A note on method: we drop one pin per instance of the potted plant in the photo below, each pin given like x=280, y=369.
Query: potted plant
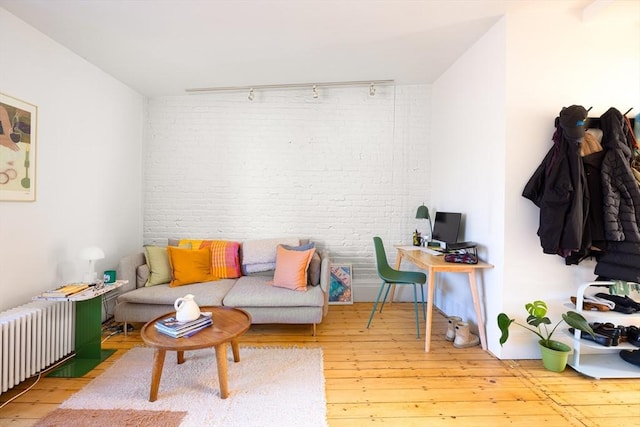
x=554, y=353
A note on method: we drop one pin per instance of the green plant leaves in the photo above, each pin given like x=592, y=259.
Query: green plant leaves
x=503, y=323
x=537, y=308
x=576, y=321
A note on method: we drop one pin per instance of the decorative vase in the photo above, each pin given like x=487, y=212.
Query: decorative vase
x=555, y=358
x=186, y=309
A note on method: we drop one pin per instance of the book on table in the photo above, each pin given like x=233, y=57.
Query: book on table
x=172, y=327
x=65, y=290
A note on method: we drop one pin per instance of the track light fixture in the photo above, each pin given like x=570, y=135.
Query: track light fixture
x=371, y=83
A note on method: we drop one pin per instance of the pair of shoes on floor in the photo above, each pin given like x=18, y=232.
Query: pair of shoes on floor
x=458, y=332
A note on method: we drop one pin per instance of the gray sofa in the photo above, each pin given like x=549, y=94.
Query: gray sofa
x=251, y=292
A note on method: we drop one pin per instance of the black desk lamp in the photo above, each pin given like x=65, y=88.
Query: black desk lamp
x=423, y=213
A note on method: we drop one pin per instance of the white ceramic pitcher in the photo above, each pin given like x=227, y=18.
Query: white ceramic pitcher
x=186, y=309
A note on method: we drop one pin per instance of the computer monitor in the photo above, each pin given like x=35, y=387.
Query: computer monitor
x=446, y=226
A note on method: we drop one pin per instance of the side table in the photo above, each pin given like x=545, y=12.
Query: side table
x=228, y=325
x=88, y=331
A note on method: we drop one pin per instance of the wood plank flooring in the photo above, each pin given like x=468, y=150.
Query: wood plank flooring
x=382, y=376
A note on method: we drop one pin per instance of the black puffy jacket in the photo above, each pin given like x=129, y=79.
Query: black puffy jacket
x=621, y=202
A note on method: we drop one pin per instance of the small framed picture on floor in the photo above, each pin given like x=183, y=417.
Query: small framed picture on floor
x=340, y=289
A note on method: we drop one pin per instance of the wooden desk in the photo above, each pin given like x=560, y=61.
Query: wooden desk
x=436, y=264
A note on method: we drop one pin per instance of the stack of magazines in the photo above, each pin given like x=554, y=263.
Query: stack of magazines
x=172, y=327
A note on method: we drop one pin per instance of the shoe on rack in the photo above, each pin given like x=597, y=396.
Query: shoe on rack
x=623, y=304
x=608, y=330
x=633, y=335
x=631, y=356
x=451, y=327
x=590, y=306
x=464, y=337
x=599, y=339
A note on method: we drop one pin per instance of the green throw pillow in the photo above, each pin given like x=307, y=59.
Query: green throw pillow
x=159, y=268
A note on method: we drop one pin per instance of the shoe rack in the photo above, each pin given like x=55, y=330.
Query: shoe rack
x=595, y=360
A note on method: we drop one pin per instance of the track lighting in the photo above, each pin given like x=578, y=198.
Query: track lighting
x=371, y=83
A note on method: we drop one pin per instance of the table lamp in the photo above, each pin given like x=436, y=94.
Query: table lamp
x=423, y=213
x=91, y=254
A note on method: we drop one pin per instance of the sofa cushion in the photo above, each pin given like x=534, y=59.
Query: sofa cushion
x=158, y=263
x=313, y=273
x=255, y=291
x=260, y=255
x=291, y=268
x=206, y=293
x=190, y=266
x=225, y=256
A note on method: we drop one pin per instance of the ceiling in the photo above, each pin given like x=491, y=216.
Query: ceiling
x=162, y=47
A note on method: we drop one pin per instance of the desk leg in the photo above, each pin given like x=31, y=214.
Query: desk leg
x=397, y=267
x=476, y=303
x=221, y=358
x=431, y=291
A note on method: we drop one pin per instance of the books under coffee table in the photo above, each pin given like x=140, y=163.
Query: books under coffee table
x=174, y=328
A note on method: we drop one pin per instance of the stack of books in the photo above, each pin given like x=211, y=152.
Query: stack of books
x=66, y=290
x=172, y=327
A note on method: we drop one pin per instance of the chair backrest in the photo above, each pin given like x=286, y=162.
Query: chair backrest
x=381, y=258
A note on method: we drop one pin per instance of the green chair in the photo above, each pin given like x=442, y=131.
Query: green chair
x=391, y=276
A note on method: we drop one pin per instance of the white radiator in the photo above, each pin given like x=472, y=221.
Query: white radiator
x=33, y=336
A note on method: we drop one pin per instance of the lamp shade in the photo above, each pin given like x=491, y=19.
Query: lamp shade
x=423, y=212
x=92, y=253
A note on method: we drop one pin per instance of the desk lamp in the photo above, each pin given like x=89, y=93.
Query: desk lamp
x=91, y=254
x=423, y=213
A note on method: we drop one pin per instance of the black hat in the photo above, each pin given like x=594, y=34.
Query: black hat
x=572, y=120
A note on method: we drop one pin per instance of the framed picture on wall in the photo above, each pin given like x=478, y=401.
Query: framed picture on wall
x=17, y=149
x=340, y=289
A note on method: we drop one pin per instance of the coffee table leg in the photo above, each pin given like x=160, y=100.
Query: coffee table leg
x=156, y=373
x=221, y=358
x=180, y=357
x=236, y=350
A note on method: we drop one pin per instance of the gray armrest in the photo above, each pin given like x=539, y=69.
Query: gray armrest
x=127, y=270
x=325, y=277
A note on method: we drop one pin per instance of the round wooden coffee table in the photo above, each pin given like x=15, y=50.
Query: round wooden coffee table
x=228, y=324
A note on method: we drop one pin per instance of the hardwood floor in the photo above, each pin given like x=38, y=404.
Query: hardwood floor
x=382, y=376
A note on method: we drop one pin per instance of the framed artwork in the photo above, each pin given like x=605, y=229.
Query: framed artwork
x=340, y=290
x=17, y=149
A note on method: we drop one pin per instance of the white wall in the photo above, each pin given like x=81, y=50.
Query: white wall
x=88, y=185
x=503, y=95
x=592, y=63
x=468, y=152
x=338, y=169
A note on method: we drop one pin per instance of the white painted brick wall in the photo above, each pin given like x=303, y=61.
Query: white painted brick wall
x=338, y=169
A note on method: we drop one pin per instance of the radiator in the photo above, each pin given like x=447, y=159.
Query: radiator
x=33, y=336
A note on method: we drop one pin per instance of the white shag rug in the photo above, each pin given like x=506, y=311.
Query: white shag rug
x=277, y=387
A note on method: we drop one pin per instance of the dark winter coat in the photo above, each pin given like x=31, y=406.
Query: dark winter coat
x=558, y=188
x=621, y=202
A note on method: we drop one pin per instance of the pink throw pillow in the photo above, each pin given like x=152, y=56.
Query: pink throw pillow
x=291, y=268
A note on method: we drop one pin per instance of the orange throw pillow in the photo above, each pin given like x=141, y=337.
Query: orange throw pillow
x=291, y=268
x=189, y=266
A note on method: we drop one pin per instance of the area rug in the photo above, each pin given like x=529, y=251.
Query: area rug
x=110, y=417
x=268, y=387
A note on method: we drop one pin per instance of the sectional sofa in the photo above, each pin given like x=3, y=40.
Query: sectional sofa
x=263, y=277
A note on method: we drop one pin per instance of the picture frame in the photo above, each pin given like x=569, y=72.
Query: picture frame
x=340, y=284
x=18, y=136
